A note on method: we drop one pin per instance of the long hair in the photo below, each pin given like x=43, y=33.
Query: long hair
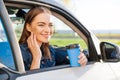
x=32, y=13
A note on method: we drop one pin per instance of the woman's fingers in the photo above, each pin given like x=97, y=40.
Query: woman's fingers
x=34, y=39
x=33, y=45
x=82, y=59
x=30, y=40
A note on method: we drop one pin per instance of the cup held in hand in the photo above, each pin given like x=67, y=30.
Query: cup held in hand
x=73, y=51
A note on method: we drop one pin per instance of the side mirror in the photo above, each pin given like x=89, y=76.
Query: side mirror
x=109, y=52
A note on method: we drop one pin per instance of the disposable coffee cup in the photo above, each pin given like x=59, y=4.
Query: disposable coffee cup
x=73, y=51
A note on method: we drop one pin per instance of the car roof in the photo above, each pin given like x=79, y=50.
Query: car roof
x=47, y=3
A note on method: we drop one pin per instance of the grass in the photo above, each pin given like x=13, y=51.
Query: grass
x=64, y=42
x=115, y=41
x=108, y=34
x=61, y=40
x=114, y=38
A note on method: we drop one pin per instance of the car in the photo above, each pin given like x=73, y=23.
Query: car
x=103, y=57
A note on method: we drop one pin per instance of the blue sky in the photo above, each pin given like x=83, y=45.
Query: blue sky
x=97, y=14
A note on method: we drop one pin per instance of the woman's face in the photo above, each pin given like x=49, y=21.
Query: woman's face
x=41, y=26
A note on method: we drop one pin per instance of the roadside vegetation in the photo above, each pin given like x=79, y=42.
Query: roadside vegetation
x=64, y=39
x=63, y=42
x=113, y=38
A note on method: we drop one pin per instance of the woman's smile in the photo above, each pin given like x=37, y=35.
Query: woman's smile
x=46, y=35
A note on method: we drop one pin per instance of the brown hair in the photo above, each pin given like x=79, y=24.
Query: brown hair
x=28, y=19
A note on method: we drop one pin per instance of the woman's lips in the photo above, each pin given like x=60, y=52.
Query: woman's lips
x=46, y=35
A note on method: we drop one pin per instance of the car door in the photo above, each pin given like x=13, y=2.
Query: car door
x=95, y=69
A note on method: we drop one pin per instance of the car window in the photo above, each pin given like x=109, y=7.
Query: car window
x=63, y=35
x=6, y=56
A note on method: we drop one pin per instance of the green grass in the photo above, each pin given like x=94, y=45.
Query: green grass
x=116, y=41
x=109, y=34
x=63, y=42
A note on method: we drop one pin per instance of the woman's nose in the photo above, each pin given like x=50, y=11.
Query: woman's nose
x=47, y=29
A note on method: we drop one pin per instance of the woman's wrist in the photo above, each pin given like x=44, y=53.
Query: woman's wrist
x=35, y=63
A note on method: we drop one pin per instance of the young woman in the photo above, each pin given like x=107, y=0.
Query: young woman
x=34, y=41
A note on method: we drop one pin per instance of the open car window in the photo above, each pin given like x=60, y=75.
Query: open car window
x=63, y=33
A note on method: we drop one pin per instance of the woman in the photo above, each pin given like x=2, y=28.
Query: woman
x=34, y=41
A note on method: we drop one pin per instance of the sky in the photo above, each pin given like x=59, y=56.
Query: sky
x=96, y=14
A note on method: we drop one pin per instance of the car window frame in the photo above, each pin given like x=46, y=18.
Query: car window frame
x=11, y=38
x=58, y=11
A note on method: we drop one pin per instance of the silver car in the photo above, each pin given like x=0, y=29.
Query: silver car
x=103, y=57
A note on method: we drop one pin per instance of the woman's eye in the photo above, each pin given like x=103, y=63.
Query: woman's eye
x=41, y=25
x=51, y=25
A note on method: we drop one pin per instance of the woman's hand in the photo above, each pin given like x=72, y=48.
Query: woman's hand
x=35, y=51
x=82, y=59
